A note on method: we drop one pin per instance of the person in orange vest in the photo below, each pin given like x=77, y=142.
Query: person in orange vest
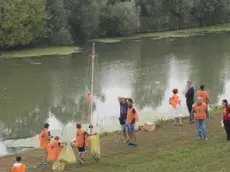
x=44, y=139
x=81, y=142
x=174, y=101
x=132, y=118
x=54, y=149
x=199, y=111
x=203, y=93
x=18, y=166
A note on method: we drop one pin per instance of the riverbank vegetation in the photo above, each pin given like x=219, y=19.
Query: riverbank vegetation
x=59, y=22
x=45, y=51
x=166, y=149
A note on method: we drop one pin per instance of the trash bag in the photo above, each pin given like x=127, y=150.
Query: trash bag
x=66, y=156
x=94, y=147
x=58, y=166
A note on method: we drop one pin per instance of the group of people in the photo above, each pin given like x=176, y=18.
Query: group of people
x=198, y=112
x=128, y=118
x=52, y=148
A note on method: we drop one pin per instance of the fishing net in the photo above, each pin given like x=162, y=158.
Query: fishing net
x=66, y=156
x=94, y=147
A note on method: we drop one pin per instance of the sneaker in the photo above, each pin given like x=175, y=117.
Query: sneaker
x=45, y=164
x=174, y=124
x=181, y=124
x=191, y=122
x=206, y=138
x=81, y=161
x=132, y=145
x=200, y=138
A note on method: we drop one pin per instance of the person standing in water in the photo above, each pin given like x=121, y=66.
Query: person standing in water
x=175, y=103
x=190, y=99
x=132, y=118
x=199, y=111
x=226, y=118
x=203, y=93
x=123, y=116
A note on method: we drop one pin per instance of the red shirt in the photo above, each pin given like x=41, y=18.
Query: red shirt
x=226, y=113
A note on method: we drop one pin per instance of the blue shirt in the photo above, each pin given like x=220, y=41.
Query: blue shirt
x=123, y=110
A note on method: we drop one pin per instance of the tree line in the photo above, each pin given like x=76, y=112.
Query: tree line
x=64, y=22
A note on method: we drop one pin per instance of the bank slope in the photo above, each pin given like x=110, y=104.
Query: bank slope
x=167, y=149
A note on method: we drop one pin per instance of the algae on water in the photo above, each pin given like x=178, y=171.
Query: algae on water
x=45, y=51
x=167, y=34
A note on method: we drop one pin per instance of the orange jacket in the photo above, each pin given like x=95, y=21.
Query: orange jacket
x=130, y=115
x=44, y=139
x=200, y=111
x=53, y=149
x=18, y=167
x=81, y=138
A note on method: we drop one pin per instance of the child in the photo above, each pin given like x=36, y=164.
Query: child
x=44, y=138
x=81, y=142
x=132, y=118
x=18, y=166
x=54, y=149
x=175, y=103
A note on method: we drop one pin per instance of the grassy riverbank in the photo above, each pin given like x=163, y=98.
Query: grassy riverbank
x=169, y=34
x=41, y=51
x=167, y=149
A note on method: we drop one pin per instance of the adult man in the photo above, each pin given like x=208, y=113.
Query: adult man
x=203, y=93
x=190, y=99
x=123, y=115
x=199, y=111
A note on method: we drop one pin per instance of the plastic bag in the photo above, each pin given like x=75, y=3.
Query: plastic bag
x=94, y=147
x=58, y=166
x=66, y=156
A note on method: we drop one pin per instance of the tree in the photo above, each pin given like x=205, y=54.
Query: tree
x=127, y=17
x=57, y=23
x=22, y=22
x=84, y=17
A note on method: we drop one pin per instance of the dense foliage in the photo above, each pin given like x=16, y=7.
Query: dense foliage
x=62, y=22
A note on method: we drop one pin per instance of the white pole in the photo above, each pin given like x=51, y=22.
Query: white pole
x=91, y=91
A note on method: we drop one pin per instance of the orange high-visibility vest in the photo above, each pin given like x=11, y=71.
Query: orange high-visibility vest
x=81, y=138
x=200, y=111
x=130, y=115
x=18, y=167
x=53, y=149
x=44, y=139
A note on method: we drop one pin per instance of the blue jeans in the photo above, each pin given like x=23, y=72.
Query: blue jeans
x=131, y=127
x=201, y=125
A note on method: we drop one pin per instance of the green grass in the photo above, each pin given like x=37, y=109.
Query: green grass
x=46, y=51
x=167, y=34
x=167, y=149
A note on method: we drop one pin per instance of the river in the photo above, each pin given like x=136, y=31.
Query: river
x=39, y=89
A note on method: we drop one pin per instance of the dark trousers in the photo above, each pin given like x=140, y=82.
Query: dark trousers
x=227, y=128
x=189, y=106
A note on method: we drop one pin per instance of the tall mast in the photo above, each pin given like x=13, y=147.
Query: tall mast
x=91, y=91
